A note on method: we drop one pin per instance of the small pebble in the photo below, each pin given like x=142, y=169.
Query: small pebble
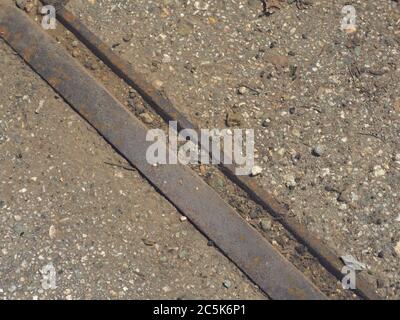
x=256, y=170
x=266, y=224
x=379, y=171
x=166, y=289
x=242, y=90
x=146, y=118
x=127, y=37
x=52, y=232
x=397, y=248
x=227, y=284
x=318, y=151
x=21, y=3
x=75, y=53
x=266, y=123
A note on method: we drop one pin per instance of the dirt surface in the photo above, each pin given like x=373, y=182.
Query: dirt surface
x=69, y=202
x=324, y=104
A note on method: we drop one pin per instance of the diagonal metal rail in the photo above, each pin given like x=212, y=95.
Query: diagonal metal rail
x=327, y=257
x=256, y=257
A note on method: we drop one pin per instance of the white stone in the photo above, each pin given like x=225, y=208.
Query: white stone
x=52, y=232
x=256, y=170
x=379, y=171
x=397, y=248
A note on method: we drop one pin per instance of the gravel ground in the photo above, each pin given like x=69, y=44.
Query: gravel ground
x=71, y=206
x=324, y=104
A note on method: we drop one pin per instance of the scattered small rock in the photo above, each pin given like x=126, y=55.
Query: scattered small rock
x=227, y=284
x=146, y=118
x=379, y=171
x=290, y=181
x=382, y=254
x=21, y=3
x=348, y=196
x=242, y=90
x=166, y=58
x=266, y=123
x=396, y=105
x=266, y=224
x=148, y=242
x=166, y=289
x=397, y=249
x=233, y=119
x=75, y=53
x=158, y=84
x=128, y=37
x=52, y=232
x=256, y=170
x=318, y=151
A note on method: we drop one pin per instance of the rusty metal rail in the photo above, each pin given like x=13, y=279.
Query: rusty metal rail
x=327, y=257
x=277, y=277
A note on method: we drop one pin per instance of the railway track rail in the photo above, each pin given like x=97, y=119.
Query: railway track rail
x=276, y=276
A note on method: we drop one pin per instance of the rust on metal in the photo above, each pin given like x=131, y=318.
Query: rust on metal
x=164, y=108
x=277, y=277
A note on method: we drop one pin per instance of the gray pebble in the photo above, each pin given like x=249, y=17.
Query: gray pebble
x=21, y=3
x=146, y=118
x=127, y=37
x=266, y=224
x=318, y=151
x=265, y=123
x=227, y=284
